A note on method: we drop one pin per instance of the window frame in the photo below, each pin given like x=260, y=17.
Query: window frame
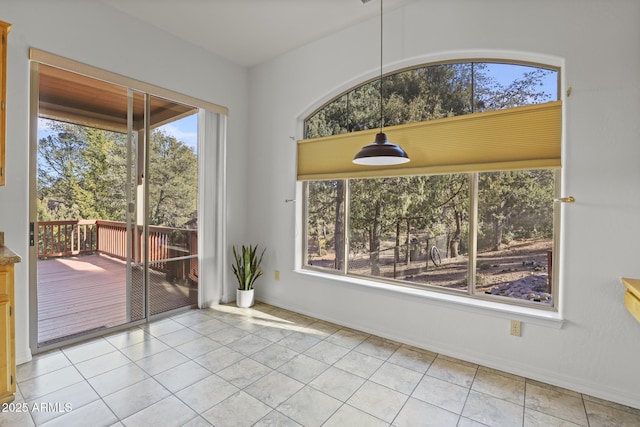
x=470, y=291
x=468, y=296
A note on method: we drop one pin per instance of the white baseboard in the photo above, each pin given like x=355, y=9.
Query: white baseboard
x=23, y=356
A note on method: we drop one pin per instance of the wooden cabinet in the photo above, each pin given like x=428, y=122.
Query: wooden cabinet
x=4, y=32
x=7, y=335
x=632, y=296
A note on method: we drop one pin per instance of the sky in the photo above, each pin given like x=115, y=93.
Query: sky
x=185, y=130
x=506, y=73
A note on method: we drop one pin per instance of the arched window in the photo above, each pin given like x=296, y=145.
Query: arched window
x=472, y=213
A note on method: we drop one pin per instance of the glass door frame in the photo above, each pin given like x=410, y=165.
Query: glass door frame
x=211, y=207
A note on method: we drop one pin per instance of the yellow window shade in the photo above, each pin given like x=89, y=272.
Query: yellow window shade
x=517, y=138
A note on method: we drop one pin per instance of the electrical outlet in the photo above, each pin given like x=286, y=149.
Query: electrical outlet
x=515, y=328
x=276, y=275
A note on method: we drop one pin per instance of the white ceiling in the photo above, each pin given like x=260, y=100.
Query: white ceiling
x=249, y=32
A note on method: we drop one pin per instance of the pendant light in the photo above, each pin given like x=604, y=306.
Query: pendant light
x=380, y=152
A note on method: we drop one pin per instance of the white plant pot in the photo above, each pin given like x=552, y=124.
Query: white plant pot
x=244, y=298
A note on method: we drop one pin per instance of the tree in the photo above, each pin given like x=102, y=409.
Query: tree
x=330, y=120
x=517, y=201
x=491, y=95
x=447, y=207
x=105, y=174
x=173, y=181
x=439, y=204
x=427, y=93
x=82, y=174
x=325, y=219
x=375, y=207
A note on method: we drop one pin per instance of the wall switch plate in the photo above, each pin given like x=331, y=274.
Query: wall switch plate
x=515, y=328
x=276, y=275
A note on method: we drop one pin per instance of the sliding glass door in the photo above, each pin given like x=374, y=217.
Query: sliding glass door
x=116, y=229
x=172, y=206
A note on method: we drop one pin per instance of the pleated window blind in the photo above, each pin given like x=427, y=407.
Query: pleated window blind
x=517, y=138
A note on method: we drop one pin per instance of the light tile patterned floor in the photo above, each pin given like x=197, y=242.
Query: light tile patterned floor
x=267, y=366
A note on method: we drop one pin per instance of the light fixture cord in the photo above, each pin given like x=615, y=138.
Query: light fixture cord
x=381, y=41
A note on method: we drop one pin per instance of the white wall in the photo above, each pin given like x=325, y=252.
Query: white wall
x=94, y=34
x=597, y=42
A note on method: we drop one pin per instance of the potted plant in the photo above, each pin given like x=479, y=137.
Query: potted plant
x=247, y=269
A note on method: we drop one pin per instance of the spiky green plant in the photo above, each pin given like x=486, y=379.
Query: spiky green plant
x=247, y=266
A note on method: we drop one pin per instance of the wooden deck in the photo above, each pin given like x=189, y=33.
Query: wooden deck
x=89, y=293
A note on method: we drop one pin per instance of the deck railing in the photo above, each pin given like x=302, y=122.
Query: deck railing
x=64, y=238
x=77, y=237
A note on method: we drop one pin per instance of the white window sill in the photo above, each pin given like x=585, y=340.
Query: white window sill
x=542, y=317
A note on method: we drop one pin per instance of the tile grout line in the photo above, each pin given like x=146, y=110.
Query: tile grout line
x=305, y=328
x=584, y=406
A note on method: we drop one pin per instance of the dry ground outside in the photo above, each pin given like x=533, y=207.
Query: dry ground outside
x=521, y=263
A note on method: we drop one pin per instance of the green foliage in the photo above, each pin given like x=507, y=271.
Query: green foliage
x=173, y=181
x=330, y=120
x=246, y=266
x=429, y=205
x=426, y=93
x=407, y=97
x=82, y=174
x=512, y=205
x=515, y=205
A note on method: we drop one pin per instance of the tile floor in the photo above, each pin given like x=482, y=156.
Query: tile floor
x=266, y=366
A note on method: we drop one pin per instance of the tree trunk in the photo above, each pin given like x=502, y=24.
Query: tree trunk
x=339, y=223
x=396, y=252
x=320, y=239
x=454, y=244
x=407, y=256
x=498, y=226
x=374, y=241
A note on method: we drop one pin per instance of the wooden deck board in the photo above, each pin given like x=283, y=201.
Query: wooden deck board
x=89, y=292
